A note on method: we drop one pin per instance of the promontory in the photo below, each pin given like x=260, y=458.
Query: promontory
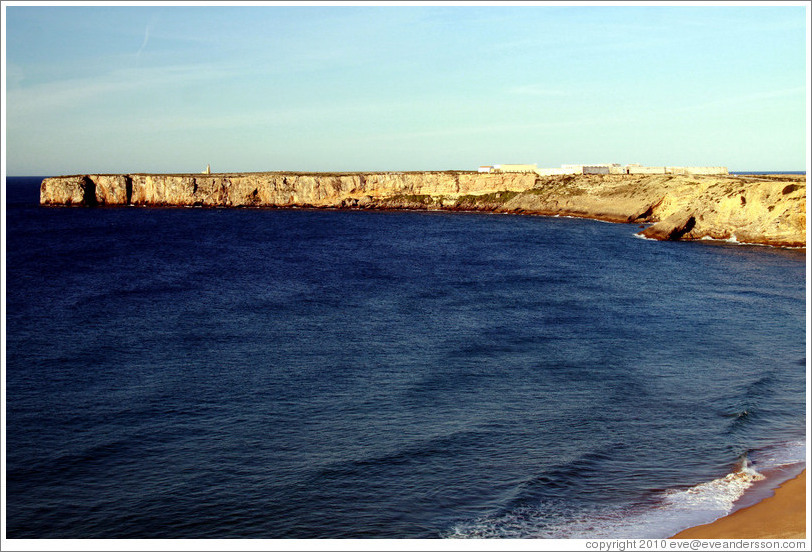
x=757, y=209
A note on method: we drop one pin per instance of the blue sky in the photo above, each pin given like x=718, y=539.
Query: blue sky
x=157, y=88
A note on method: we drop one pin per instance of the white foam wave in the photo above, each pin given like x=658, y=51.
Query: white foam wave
x=642, y=237
x=731, y=239
x=715, y=498
x=670, y=512
x=786, y=454
x=734, y=240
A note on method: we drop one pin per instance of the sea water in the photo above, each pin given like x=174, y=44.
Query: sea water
x=217, y=373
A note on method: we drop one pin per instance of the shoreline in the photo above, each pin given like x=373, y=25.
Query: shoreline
x=410, y=209
x=546, y=214
x=668, y=207
x=780, y=515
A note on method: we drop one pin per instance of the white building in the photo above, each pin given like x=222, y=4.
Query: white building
x=631, y=168
x=600, y=168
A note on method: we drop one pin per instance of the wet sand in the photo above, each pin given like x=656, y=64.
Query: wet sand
x=781, y=516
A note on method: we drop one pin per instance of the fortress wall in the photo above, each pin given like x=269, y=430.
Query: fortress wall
x=696, y=170
x=514, y=168
x=556, y=172
x=646, y=170
x=705, y=170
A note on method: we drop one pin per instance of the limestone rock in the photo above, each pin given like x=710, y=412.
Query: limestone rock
x=111, y=189
x=672, y=228
x=766, y=209
x=65, y=190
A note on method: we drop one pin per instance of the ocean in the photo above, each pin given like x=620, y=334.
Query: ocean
x=298, y=374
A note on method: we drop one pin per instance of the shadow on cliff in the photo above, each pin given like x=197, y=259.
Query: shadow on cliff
x=89, y=192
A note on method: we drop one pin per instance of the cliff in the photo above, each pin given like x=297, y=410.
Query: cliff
x=767, y=210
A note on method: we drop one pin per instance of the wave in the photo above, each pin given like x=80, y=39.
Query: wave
x=666, y=514
x=745, y=407
x=734, y=241
x=778, y=456
x=740, y=420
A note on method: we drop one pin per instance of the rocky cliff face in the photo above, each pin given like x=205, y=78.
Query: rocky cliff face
x=765, y=210
x=269, y=189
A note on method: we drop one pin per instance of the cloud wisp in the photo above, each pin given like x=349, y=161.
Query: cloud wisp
x=144, y=43
x=72, y=94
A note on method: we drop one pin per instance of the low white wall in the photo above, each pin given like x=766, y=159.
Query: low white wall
x=603, y=169
x=514, y=168
x=555, y=172
x=706, y=170
x=646, y=170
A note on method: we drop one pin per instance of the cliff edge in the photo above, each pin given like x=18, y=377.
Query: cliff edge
x=767, y=209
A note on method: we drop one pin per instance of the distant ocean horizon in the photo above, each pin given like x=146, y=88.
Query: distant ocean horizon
x=767, y=172
x=236, y=373
x=181, y=172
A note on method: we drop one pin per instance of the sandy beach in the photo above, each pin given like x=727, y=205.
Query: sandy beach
x=781, y=516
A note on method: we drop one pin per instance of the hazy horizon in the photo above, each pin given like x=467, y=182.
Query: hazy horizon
x=162, y=89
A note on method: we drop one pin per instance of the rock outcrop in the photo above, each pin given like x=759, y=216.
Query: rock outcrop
x=758, y=209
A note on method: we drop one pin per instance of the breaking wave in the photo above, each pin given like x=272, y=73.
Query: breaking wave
x=662, y=515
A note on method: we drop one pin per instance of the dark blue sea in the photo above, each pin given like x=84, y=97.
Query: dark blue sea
x=765, y=172
x=216, y=373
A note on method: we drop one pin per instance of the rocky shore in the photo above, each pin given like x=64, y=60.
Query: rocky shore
x=766, y=209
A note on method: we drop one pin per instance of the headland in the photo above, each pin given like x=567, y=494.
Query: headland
x=755, y=209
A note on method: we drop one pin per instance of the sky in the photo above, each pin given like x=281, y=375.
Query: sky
x=162, y=88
